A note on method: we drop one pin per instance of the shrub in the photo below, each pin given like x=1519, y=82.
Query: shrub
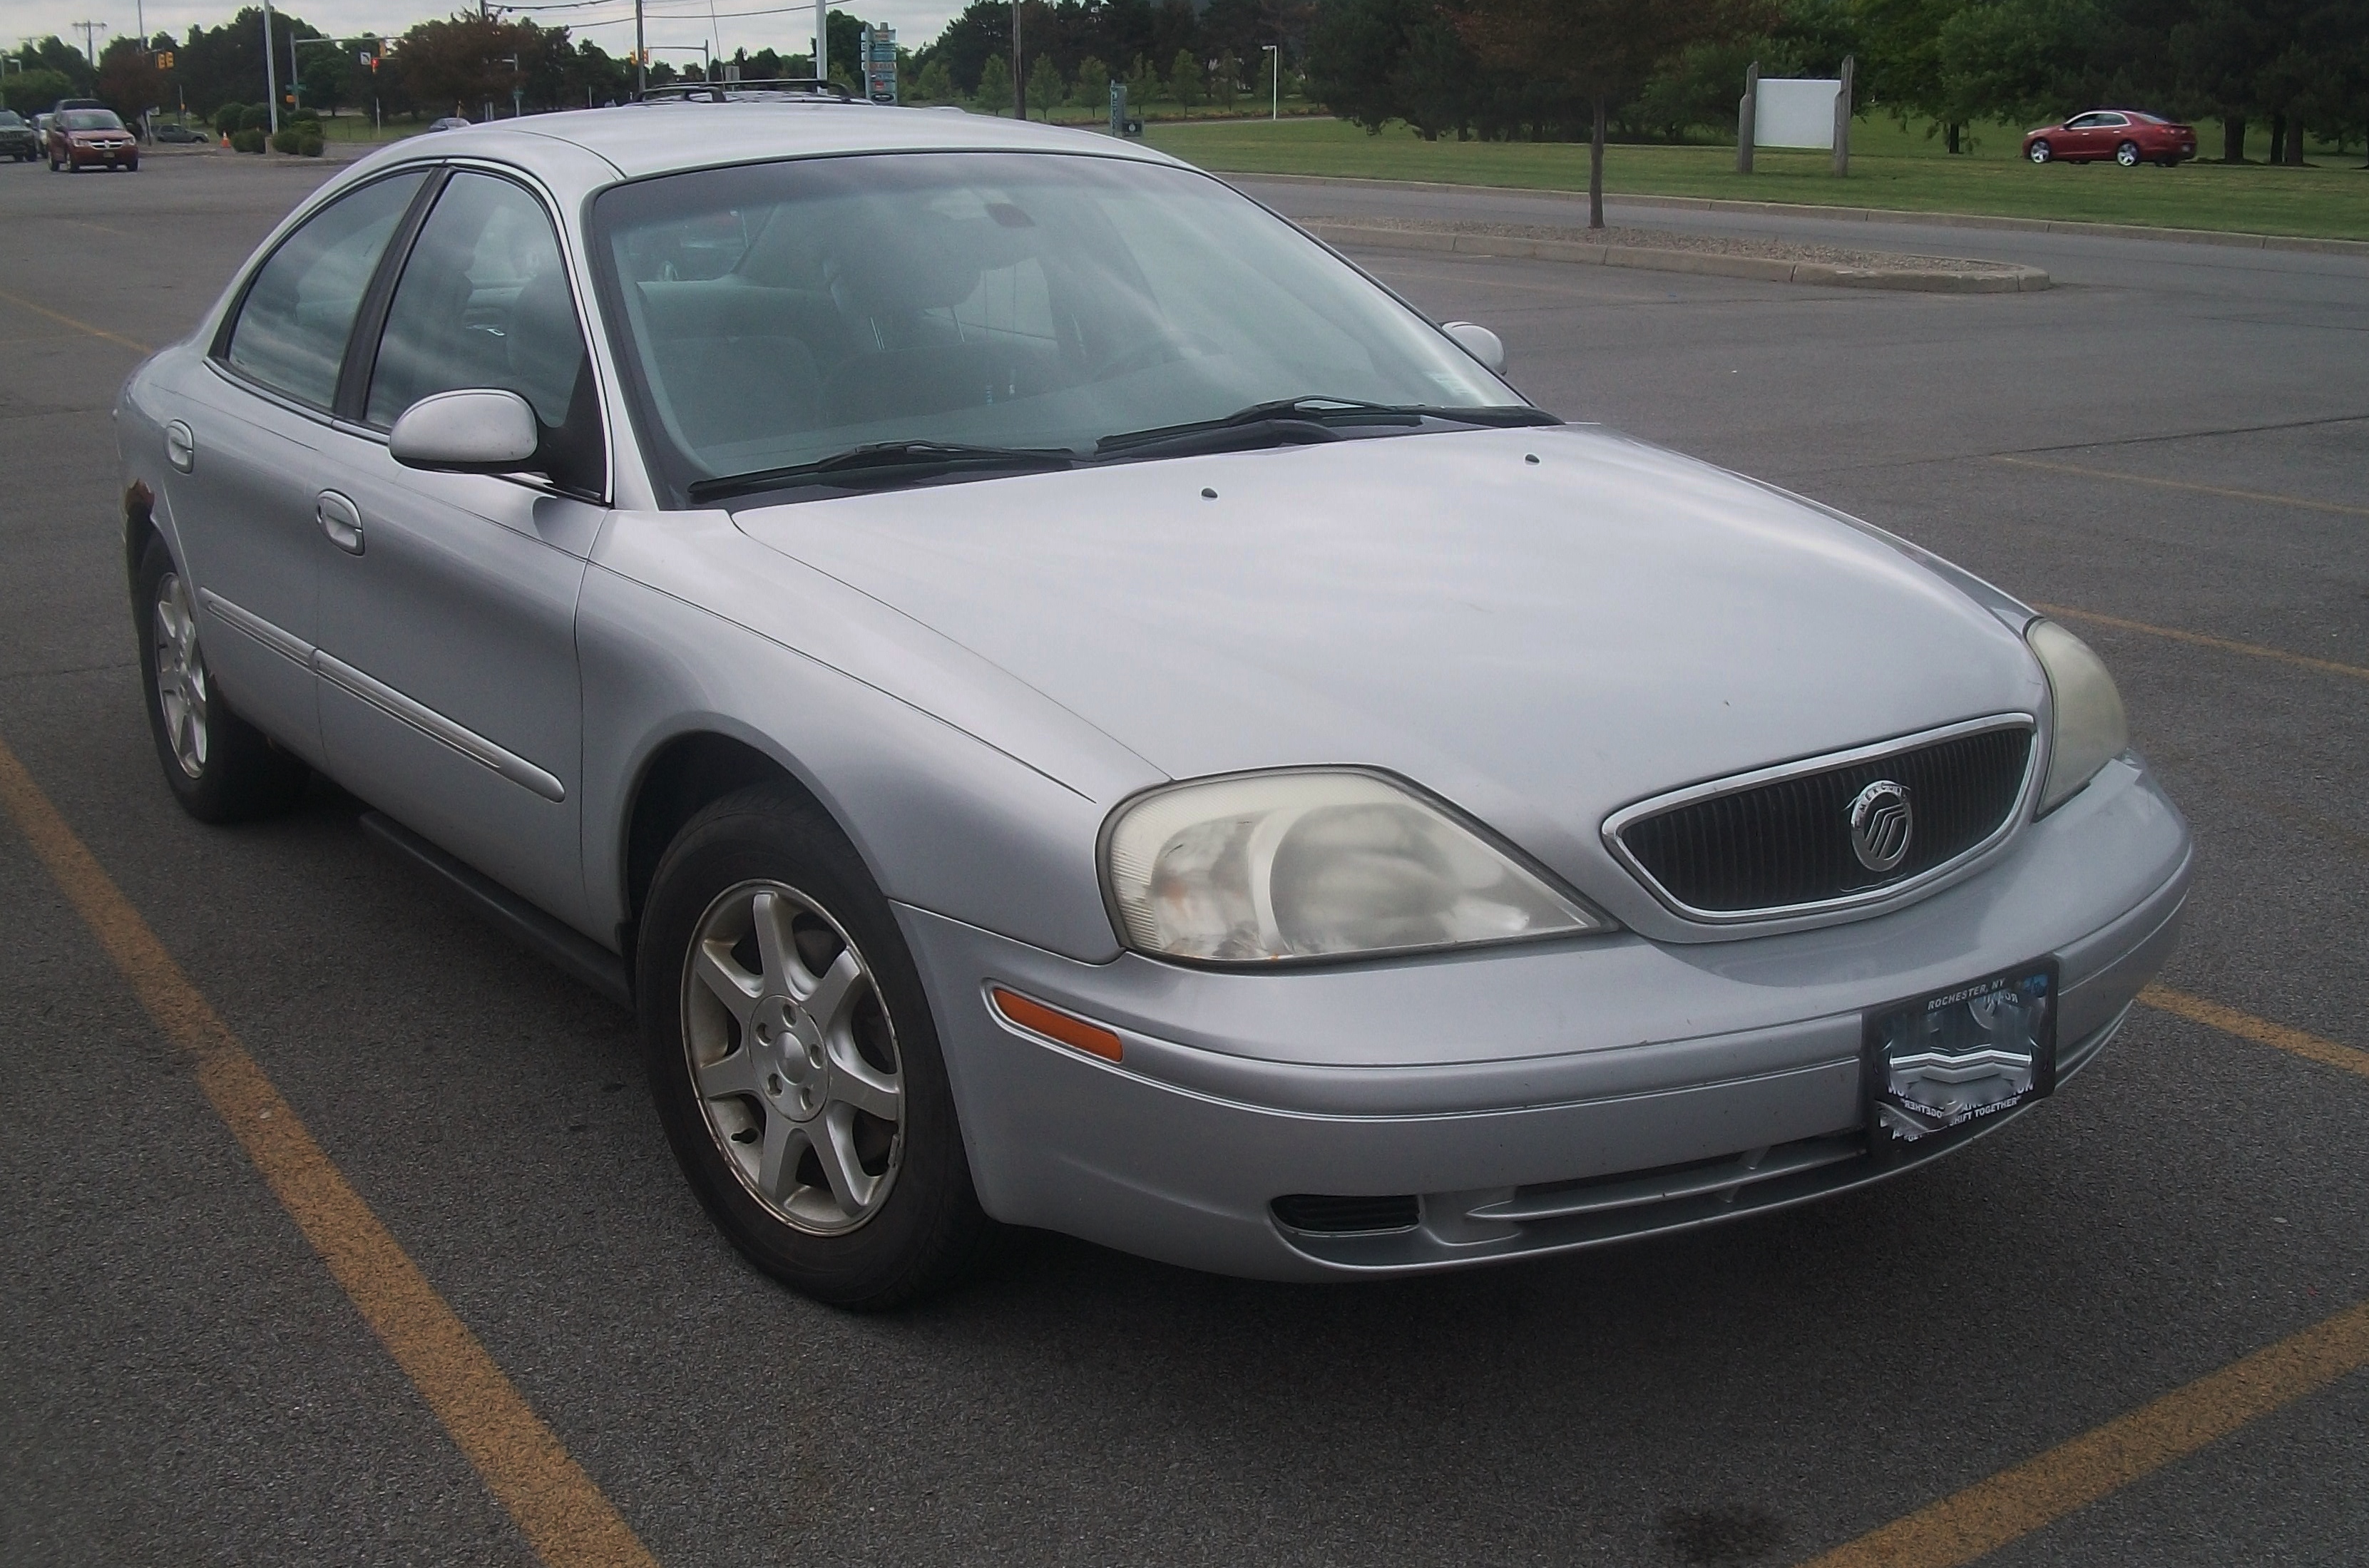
x=307, y=124
x=284, y=140
x=230, y=117
x=257, y=118
x=311, y=146
x=246, y=141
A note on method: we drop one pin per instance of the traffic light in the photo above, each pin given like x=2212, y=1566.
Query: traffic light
x=164, y=59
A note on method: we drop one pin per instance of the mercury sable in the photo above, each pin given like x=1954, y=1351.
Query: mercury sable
x=1061, y=702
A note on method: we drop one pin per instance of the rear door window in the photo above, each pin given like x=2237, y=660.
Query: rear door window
x=292, y=325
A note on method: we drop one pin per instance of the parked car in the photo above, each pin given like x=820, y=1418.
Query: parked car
x=169, y=131
x=450, y=123
x=17, y=140
x=90, y=138
x=41, y=133
x=2125, y=135
x=1058, y=700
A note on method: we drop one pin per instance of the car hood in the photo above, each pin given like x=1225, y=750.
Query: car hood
x=1540, y=626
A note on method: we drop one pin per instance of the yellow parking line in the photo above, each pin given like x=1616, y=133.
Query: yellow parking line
x=563, y=1513
x=2018, y=1501
x=2253, y=651
x=78, y=325
x=2336, y=507
x=2262, y=1032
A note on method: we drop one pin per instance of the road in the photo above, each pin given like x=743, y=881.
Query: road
x=2172, y=445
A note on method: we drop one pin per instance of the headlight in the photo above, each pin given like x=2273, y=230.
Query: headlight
x=1284, y=866
x=2089, y=726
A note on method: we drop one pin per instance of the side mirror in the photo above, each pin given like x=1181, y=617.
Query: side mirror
x=1480, y=342
x=480, y=430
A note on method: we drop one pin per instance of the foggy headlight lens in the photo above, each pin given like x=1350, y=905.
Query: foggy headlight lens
x=2091, y=727
x=1313, y=865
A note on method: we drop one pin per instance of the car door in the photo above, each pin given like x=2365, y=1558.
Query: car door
x=244, y=442
x=449, y=691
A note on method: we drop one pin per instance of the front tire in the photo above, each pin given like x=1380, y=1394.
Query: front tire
x=2039, y=152
x=221, y=768
x=793, y=1060
x=2127, y=154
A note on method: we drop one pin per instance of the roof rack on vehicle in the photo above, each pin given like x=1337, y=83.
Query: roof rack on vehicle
x=760, y=90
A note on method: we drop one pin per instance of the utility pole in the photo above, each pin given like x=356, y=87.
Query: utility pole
x=641, y=53
x=270, y=80
x=1274, y=83
x=1019, y=81
x=89, y=32
x=822, y=40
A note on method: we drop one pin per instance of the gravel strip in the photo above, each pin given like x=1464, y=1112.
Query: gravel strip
x=1670, y=239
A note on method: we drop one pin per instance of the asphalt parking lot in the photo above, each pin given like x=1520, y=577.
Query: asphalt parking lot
x=2171, y=447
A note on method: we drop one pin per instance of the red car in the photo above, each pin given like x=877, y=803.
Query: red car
x=90, y=138
x=2125, y=136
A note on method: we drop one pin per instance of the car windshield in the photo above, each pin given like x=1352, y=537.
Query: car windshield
x=948, y=308
x=90, y=120
x=8, y=118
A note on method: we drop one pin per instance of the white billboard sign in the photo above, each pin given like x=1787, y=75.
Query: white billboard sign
x=1795, y=113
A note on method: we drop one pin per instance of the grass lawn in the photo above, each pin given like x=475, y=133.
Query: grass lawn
x=1890, y=168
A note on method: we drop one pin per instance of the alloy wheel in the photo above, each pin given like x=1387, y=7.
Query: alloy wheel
x=2039, y=152
x=2127, y=154
x=182, y=689
x=793, y=1057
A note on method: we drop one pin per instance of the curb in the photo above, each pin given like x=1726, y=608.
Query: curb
x=2007, y=280
x=2227, y=237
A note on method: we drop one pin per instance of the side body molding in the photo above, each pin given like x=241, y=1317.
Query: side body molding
x=386, y=698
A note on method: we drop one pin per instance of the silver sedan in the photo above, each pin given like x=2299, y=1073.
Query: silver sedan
x=1061, y=702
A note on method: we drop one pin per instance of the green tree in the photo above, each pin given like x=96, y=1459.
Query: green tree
x=934, y=84
x=1184, y=80
x=994, y=85
x=328, y=77
x=32, y=92
x=1601, y=52
x=1046, y=87
x=1224, y=80
x=1092, y=88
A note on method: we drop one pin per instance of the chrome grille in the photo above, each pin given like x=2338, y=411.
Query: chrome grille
x=1783, y=844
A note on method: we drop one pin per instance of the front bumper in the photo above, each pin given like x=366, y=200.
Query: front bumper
x=1528, y=1099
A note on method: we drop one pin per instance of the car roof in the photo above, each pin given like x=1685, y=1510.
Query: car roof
x=643, y=139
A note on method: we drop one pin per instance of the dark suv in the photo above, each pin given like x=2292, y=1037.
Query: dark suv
x=17, y=138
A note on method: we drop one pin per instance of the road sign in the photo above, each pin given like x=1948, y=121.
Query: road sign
x=877, y=55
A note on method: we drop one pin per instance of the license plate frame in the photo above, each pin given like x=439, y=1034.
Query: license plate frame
x=1942, y=1065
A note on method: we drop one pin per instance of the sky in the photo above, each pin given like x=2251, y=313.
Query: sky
x=676, y=27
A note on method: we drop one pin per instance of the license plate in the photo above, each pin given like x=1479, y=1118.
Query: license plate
x=1960, y=1057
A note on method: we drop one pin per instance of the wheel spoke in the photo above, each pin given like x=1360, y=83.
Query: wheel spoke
x=736, y=989
x=835, y=1150
x=733, y=1075
x=772, y=914
x=857, y=1083
x=777, y=1164
x=834, y=995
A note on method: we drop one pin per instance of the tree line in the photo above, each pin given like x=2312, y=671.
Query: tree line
x=458, y=64
x=1673, y=69
x=1493, y=69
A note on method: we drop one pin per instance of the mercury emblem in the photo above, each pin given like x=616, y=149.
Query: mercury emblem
x=1882, y=824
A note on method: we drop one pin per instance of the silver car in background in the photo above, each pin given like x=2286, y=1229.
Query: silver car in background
x=1061, y=702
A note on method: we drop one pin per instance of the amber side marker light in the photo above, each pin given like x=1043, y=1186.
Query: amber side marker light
x=1074, y=1033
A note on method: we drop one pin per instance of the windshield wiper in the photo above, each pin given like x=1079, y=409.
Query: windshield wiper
x=1303, y=420
x=881, y=463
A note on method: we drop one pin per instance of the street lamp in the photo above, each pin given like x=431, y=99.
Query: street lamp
x=1273, y=82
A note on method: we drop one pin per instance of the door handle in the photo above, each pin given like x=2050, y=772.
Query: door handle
x=341, y=520
x=180, y=446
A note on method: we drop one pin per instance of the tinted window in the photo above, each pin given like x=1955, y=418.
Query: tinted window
x=780, y=313
x=8, y=118
x=292, y=325
x=89, y=120
x=485, y=302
